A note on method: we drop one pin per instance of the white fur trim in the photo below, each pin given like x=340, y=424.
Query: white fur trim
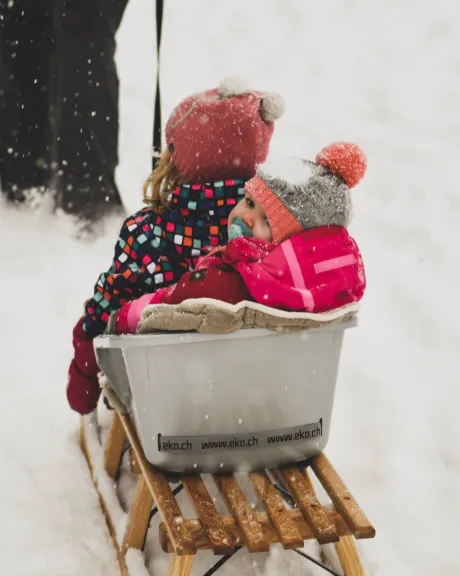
x=232, y=86
x=320, y=317
x=272, y=107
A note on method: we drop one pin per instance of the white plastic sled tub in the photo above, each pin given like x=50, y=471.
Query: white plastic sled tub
x=207, y=402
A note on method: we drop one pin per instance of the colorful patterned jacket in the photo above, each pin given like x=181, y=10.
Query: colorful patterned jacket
x=153, y=251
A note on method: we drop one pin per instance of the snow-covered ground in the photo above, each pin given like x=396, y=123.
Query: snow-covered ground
x=383, y=74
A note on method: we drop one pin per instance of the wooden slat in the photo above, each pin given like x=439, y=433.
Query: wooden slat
x=243, y=513
x=162, y=495
x=288, y=533
x=305, y=497
x=341, y=497
x=139, y=517
x=349, y=557
x=180, y=565
x=231, y=527
x=114, y=447
x=135, y=468
x=208, y=515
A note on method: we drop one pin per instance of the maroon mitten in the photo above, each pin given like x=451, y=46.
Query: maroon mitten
x=83, y=389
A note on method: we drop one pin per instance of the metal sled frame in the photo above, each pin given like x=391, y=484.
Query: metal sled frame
x=338, y=523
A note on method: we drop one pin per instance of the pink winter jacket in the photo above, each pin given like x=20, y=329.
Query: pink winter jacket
x=314, y=271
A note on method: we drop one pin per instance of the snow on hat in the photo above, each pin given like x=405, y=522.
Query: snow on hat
x=222, y=133
x=298, y=194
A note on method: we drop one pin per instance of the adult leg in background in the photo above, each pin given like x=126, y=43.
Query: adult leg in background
x=87, y=106
x=26, y=56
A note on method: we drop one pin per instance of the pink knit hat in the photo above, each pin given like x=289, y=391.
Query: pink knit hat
x=298, y=194
x=222, y=133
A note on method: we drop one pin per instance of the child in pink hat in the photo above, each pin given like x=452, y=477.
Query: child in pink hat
x=214, y=141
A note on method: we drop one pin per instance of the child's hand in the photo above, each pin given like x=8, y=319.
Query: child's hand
x=83, y=385
x=82, y=391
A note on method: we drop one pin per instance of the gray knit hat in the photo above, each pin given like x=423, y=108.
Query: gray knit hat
x=298, y=194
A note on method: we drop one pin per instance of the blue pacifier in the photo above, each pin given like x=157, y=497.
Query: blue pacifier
x=239, y=228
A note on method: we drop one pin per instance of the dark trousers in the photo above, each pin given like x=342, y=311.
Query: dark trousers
x=59, y=101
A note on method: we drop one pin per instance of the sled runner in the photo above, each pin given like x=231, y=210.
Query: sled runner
x=193, y=404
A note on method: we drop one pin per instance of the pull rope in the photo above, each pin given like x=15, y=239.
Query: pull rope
x=157, y=114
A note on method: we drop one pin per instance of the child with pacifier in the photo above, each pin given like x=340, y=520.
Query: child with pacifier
x=289, y=245
x=214, y=141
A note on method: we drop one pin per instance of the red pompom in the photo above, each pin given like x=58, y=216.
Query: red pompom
x=345, y=159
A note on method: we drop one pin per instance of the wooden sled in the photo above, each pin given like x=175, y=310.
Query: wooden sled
x=183, y=538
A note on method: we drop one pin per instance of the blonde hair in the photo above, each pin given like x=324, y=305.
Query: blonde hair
x=161, y=182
